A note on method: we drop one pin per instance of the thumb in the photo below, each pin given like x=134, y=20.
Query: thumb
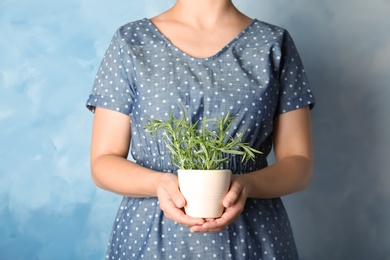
x=232, y=195
x=178, y=199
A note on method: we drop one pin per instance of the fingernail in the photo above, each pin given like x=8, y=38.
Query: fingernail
x=179, y=202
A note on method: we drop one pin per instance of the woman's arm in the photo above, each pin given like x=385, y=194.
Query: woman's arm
x=293, y=168
x=109, y=150
x=112, y=171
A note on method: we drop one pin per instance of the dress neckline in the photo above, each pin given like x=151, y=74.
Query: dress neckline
x=227, y=46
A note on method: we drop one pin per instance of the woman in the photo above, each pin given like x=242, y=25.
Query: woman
x=211, y=58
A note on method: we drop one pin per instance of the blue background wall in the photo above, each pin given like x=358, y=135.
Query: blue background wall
x=50, y=51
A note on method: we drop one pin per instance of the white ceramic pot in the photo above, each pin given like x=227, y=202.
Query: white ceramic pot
x=204, y=191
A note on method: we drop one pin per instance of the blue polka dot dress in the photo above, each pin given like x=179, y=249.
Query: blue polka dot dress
x=256, y=77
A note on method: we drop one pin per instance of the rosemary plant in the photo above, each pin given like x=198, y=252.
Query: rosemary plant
x=195, y=147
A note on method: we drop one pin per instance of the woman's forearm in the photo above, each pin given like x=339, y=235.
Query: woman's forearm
x=286, y=176
x=124, y=177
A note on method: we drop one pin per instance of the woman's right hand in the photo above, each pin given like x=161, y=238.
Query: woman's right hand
x=172, y=201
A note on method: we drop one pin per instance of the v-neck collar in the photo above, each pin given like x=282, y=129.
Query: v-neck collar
x=227, y=46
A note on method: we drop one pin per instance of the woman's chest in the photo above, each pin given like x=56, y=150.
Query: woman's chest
x=242, y=84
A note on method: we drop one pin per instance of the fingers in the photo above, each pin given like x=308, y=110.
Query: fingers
x=231, y=214
x=172, y=201
x=218, y=224
x=235, y=191
x=172, y=211
x=179, y=200
x=232, y=195
x=178, y=215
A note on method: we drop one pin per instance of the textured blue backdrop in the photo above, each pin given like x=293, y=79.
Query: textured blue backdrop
x=50, y=50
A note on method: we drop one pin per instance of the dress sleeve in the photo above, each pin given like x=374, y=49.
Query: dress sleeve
x=294, y=90
x=113, y=88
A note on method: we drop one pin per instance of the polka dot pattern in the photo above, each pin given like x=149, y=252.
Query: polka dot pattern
x=256, y=77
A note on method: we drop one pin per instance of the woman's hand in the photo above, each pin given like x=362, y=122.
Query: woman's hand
x=172, y=201
x=234, y=203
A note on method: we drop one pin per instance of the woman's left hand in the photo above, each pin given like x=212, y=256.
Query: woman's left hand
x=234, y=203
